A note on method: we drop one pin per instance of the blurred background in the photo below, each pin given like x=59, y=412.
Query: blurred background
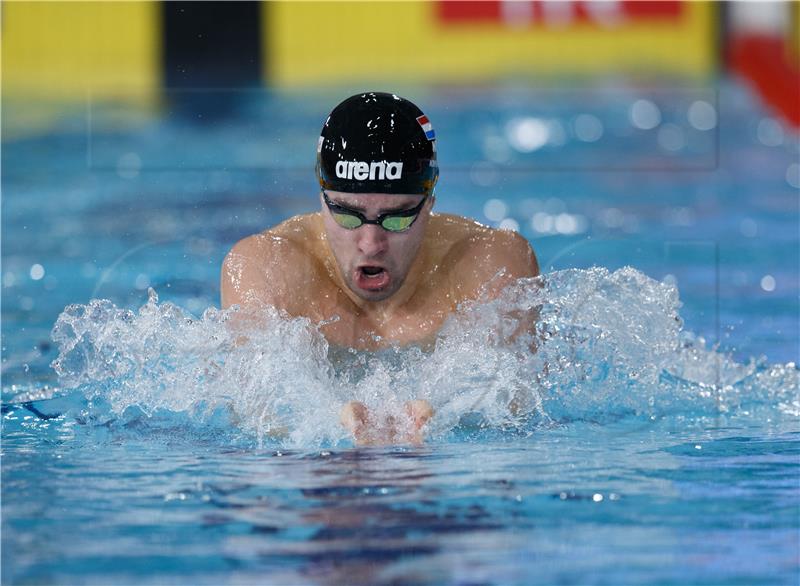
x=141, y=140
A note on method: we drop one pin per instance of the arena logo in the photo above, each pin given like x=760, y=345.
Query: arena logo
x=374, y=170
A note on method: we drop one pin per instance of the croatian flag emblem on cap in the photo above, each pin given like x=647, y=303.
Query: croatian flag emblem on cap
x=427, y=127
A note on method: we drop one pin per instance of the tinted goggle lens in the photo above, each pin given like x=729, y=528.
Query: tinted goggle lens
x=390, y=223
x=348, y=221
x=397, y=222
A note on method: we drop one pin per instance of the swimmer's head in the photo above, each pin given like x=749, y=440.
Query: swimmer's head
x=377, y=143
x=373, y=260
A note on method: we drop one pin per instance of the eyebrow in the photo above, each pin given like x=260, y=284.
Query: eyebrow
x=381, y=212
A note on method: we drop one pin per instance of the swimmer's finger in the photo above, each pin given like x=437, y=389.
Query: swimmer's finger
x=354, y=416
x=420, y=411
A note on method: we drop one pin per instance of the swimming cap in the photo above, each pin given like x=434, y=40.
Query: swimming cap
x=377, y=143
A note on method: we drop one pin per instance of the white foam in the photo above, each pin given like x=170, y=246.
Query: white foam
x=607, y=344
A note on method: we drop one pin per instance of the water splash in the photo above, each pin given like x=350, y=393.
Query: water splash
x=607, y=345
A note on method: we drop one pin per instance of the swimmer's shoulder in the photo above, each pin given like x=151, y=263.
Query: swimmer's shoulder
x=477, y=254
x=258, y=265
x=300, y=229
x=464, y=237
x=288, y=240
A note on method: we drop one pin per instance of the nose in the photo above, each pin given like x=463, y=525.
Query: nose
x=372, y=240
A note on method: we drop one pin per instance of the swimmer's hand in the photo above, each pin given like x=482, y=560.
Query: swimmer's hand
x=367, y=430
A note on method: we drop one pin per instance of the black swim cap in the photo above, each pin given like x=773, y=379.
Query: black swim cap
x=377, y=143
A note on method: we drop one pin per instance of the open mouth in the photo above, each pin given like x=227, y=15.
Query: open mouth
x=371, y=271
x=372, y=278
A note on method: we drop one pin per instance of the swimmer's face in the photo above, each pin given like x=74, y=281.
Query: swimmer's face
x=374, y=262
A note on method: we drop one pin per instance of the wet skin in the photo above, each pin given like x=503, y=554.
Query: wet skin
x=372, y=288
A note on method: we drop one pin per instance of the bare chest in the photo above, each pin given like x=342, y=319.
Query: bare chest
x=344, y=325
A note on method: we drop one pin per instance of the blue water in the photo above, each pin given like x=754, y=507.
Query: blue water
x=661, y=447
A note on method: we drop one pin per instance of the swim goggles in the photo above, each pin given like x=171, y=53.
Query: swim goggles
x=398, y=221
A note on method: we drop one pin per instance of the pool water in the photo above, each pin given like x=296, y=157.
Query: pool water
x=660, y=443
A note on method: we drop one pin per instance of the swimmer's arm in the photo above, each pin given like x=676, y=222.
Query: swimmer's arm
x=276, y=267
x=246, y=281
x=496, y=264
x=266, y=270
x=520, y=262
x=241, y=277
x=512, y=258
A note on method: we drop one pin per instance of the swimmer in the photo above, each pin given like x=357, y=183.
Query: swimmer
x=375, y=266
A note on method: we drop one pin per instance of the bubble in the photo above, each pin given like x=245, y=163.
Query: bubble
x=527, y=134
x=702, y=115
x=588, y=128
x=793, y=175
x=26, y=303
x=542, y=222
x=597, y=497
x=612, y=217
x=9, y=279
x=37, y=272
x=509, y=224
x=770, y=132
x=495, y=209
x=671, y=137
x=748, y=228
x=558, y=136
x=129, y=165
x=768, y=283
x=566, y=224
x=645, y=115
x=171, y=496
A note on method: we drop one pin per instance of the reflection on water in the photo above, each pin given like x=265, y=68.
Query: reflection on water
x=634, y=503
